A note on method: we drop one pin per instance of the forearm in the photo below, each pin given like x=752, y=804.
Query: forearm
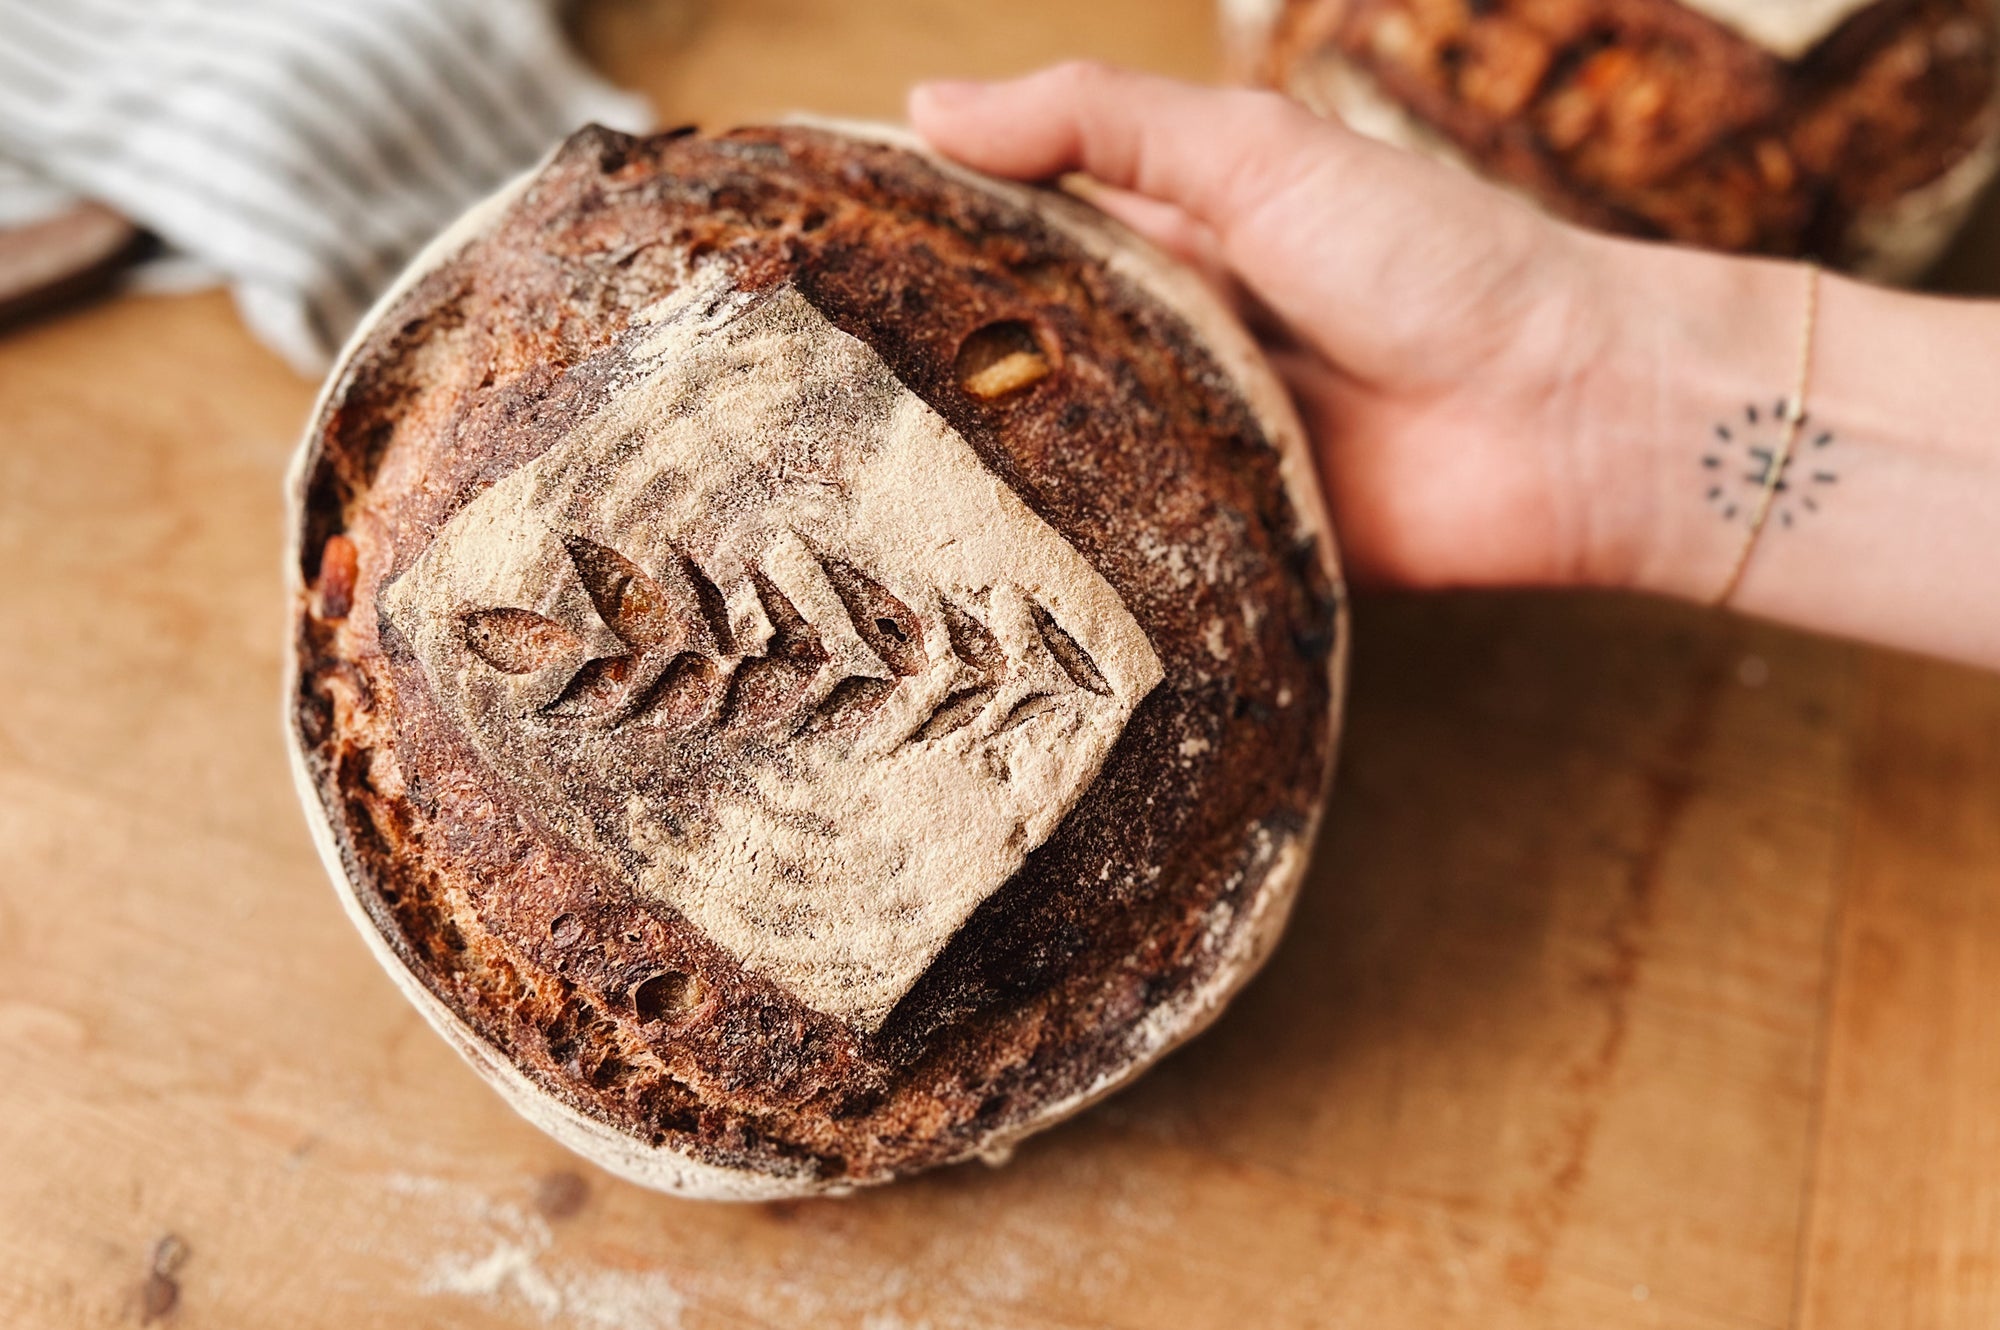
x=1887, y=527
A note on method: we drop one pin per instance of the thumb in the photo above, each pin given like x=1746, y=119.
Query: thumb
x=1214, y=154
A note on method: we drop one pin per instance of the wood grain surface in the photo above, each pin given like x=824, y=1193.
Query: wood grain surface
x=1647, y=976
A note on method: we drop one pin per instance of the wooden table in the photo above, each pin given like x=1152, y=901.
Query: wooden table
x=1648, y=975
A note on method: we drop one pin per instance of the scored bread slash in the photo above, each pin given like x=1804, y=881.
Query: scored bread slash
x=823, y=692
x=1015, y=370
x=1001, y=358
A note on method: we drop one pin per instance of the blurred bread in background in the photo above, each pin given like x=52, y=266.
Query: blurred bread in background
x=1857, y=132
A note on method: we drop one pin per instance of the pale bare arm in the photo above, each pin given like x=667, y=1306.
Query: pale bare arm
x=1499, y=399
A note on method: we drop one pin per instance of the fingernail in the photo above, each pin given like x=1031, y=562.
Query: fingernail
x=948, y=93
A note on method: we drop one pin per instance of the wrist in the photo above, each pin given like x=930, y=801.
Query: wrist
x=1690, y=342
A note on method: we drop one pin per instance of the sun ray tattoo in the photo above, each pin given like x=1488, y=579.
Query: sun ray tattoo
x=1737, y=465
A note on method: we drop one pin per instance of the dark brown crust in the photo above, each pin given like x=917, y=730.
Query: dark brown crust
x=1646, y=117
x=1136, y=448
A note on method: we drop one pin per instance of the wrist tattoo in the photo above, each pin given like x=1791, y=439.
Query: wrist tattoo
x=1742, y=453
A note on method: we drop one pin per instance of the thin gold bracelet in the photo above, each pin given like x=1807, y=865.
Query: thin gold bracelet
x=1795, y=415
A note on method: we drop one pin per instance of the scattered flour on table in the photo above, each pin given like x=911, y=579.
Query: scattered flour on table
x=992, y=1252
x=502, y=1258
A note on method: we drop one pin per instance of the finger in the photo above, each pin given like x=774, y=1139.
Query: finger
x=1165, y=224
x=1193, y=243
x=1215, y=154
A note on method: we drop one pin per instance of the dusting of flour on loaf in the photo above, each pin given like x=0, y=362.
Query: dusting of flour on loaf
x=767, y=637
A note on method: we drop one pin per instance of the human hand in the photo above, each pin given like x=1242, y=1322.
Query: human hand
x=1498, y=398
x=1433, y=330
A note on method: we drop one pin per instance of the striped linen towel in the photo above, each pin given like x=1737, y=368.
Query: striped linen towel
x=301, y=150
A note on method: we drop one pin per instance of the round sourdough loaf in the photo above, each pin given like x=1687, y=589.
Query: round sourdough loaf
x=1857, y=132
x=808, y=663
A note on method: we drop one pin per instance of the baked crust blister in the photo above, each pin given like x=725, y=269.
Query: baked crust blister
x=809, y=664
x=1855, y=132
